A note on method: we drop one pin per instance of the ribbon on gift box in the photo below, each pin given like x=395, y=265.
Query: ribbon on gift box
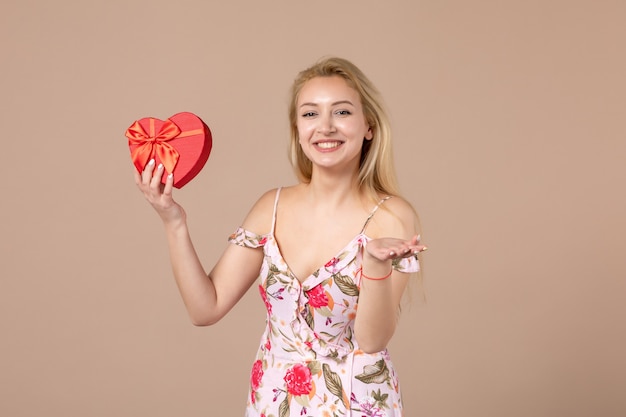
x=154, y=143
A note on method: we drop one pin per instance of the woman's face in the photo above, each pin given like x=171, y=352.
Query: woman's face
x=330, y=121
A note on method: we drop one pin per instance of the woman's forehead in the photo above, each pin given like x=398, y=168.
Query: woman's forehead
x=331, y=89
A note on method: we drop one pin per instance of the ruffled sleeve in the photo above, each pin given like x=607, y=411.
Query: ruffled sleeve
x=410, y=264
x=247, y=239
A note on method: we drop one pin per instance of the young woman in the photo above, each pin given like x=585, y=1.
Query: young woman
x=341, y=238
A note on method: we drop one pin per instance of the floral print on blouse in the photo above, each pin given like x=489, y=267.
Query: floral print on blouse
x=308, y=363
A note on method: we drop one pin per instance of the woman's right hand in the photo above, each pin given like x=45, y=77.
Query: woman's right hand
x=159, y=195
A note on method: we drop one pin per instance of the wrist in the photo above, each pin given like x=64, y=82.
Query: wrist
x=371, y=261
x=175, y=226
x=376, y=269
x=377, y=277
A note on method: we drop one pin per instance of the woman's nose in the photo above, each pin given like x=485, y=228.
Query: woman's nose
x=326, y=125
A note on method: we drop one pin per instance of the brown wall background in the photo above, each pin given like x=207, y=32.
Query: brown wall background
x=510, y=141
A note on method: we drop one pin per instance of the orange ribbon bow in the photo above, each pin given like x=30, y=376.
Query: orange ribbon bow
x=153, y=143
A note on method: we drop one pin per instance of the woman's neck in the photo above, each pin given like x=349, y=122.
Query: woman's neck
x=333, y=190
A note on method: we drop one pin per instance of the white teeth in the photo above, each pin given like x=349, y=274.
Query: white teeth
x=328, y=145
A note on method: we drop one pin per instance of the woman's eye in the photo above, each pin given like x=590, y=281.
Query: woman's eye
x=308, y=114
x=343, y=112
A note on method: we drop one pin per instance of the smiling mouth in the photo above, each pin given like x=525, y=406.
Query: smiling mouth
x=328, y=144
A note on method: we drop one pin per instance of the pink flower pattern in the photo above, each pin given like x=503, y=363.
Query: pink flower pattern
x=298, y=379
x=308, y=359
x=317, y=297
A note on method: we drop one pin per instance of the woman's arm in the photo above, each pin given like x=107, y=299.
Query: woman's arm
x=207, y=297
x=379, y=299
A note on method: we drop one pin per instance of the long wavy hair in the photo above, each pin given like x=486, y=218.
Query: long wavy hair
x=376, y=170
x=377, y=175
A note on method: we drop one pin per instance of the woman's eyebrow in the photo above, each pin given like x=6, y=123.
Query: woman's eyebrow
x=332, y=104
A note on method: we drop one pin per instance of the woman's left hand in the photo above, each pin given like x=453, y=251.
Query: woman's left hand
x=387, y=248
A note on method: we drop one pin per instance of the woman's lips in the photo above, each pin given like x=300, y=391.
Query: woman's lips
x=328, y=144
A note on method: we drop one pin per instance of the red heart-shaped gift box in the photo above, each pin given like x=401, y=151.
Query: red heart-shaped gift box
x=181, y=143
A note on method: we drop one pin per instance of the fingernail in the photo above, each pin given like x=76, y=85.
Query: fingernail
x=151, y=162
x=425, y=249
x=160, y=166
x=392, y=253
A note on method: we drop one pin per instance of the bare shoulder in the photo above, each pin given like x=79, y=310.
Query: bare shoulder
x=290, y=192
x=395, y=218
x=259, y=218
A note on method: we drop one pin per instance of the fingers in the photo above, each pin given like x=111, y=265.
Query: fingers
x=416, y=245
x=404, y=249
x=169, y=185
x=155, y=182
x=151, y=175
x=150, y=183
x=146, y=175
x=159, y=194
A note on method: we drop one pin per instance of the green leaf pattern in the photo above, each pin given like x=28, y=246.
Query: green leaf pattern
x=338, y=377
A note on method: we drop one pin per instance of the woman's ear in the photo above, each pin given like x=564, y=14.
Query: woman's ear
x=369, y=134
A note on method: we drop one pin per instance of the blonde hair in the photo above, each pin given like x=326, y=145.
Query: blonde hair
x=376, y=170
x=377, y=174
